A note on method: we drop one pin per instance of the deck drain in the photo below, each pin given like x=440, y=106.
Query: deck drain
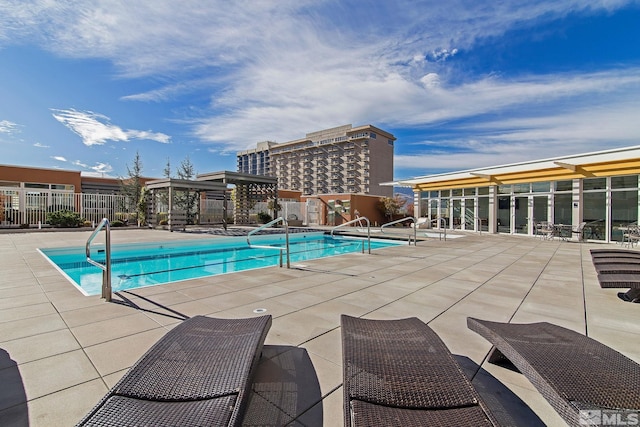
x=260, y=310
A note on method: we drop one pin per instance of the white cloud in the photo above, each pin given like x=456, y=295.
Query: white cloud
x=39, y=145
x=96, y=129
x=282, y=68
x=59, y=158
x=431, y=80
x=8, y=127
x=102, y=168
x=497, y=142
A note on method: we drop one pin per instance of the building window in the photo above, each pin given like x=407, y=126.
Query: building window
x=521, y=188
x=628, y=181
x=483, y=191
x=504, y=189
x=594, y=184
x=36, y=185
x=564, y=185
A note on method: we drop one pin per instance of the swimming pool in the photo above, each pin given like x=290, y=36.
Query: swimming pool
x=147, y=264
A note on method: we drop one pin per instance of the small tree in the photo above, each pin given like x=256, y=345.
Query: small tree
x=167, y=169
x=131, y=187
x=141, y=207
x=188, y=200
x=274, y=207
x=390, y=206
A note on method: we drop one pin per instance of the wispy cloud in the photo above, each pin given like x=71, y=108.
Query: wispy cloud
x=39, y=145
x=59, y=158
x=96, y=129
x=273, y=71
x=8, y=127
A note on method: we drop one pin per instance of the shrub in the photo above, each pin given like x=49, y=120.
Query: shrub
x=64, y=219
x=164, y=222
x=264, y=217
x=117, y=223
x=87, y=224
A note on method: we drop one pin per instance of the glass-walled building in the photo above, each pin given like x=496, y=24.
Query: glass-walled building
x=600, y=189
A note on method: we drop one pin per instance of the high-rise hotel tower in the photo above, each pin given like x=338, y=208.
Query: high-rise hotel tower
x=338, y=160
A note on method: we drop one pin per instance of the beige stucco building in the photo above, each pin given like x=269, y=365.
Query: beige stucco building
x=344, y=159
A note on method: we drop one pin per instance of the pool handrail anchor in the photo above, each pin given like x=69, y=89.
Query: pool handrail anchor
x=106, y=267
x=415, y=225
x=286, y=237
x=442, y=220
x=358, y=220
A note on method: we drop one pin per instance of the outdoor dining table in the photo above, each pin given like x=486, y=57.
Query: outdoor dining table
x=559, y=230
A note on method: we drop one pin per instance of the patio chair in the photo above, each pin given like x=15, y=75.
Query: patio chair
x=579, y=230
x=578, y=375
x=631, y=235
x=400, y=373
x=545, y=230
x=197, y=374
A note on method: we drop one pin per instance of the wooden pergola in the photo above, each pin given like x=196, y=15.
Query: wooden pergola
x=249, y=190
x=170, y=186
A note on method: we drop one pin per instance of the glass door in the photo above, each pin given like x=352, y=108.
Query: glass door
x=504, y=214
x=456, y=213
x=469, y=215
x=521, y=214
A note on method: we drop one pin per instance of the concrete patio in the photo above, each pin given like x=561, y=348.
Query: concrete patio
x=61, y=351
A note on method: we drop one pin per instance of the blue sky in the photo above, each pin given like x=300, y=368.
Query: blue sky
x=461, y=84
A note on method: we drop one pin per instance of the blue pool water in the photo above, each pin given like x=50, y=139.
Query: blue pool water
x=147, y=264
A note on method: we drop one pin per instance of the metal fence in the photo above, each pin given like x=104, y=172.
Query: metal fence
x=294, y=212
x=24, y=207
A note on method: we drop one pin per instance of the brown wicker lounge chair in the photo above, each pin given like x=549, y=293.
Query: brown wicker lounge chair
x=610, y=253
x=617, y=259
x=617, y=268
x=400, y=373
x=198, y=374
x=575, y=373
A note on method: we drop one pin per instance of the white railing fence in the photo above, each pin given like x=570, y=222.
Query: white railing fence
x=22, y=207
x=25, y=207
x=291, y=211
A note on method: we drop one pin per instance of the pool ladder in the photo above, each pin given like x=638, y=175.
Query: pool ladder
x=359, y=221
x=106, y=267
x=286, y=234
x=415, y=226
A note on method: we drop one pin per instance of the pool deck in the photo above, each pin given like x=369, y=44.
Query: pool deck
x=61, y=351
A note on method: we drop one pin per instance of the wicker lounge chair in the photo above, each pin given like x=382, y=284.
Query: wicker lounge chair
x=575, y=373
x=197, y=374
x=617, y=268
x=617, y=259
x=614, y=253
x=399, y=373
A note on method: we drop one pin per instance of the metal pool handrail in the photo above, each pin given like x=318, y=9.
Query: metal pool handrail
x=106, y=267
x=444, y=228
x=286, y=234
x=353, y=221
x=415, y=239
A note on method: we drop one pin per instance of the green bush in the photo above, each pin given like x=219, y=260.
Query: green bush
x=264, y=217
x=64, y=219
x=117, y=223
